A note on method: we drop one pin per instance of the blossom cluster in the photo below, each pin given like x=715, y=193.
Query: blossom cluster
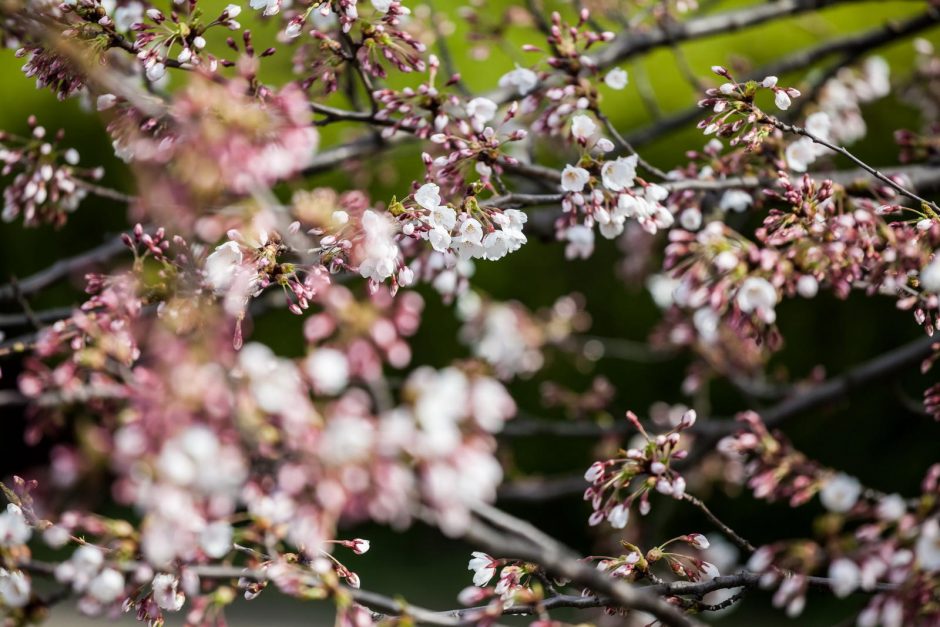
x=48, y=184
x=871, y=540
x=616, y=484
x=238, y=461
x=513, y=339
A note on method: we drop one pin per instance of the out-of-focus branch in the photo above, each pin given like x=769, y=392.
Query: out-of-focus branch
x=853, y=46
x=629, y=44
x=62, y=268
x=801, y=401
x=44, y=316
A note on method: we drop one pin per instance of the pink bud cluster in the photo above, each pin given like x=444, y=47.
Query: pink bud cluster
x=617, y=483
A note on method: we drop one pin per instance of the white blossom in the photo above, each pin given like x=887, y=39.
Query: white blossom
x=222, y=266
x=616, y=78
x=573, y=179
x=845, y=577
x=382, y=6
x=216, y=539
x=522, y=79
x=757, y=295
x=428, y=196
x=107, y=587
x=800, y=154
x=930, y=276
x=14, y=530
x=735, y=200
x=618, y=516
x=483, y=569
x=891, y=508
x=379, y=251
x=819, y=124
x=691, y=219
x=840, y=493
x=582, y=127
x=807, y=286
x=580, y=242
x=105, y=102
x=782, y=99
x=440, y=239
x=495, y=245
x=328, y=369
x=662, y=287
x=14, y=588
x=444, y=217
x=482, y=109
x=165, y=592
x=928, y=546
x=271, y=7
x=612, y=228
x=618, y=175
x=710, y=571
x=471, y=231
x=155, y=71
x=705, y=321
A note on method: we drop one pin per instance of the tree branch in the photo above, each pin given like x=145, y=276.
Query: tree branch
x=629, y=44
x=62, y=268
x=799, y=130
x=854, y=45
x=561, y=562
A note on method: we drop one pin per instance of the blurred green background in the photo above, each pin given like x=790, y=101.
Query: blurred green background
x=875, y=435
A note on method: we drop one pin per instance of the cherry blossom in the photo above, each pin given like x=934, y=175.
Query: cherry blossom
x=616, y=78
x=840, y=493
x=15, y=588
x=350, y=176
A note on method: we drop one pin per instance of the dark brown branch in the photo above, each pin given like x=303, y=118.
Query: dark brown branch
x=921, y=178
x=798, y=130
x=725, y=529
x=377, y=602
x=843, y=385
x=561, y=562
x=630, y=44
x=800, y=402
x=45, y=316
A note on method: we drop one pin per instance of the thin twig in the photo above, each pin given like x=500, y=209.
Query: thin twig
x=627, y=146
x=728, y=531
x=798, y=130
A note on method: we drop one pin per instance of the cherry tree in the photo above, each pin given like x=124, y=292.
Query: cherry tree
x=242, y=469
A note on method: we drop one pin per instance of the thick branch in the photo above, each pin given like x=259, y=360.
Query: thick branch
x=561, y=562
x=63, y=268
x=629, y=44
x=374, y=601
x=802, y=401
